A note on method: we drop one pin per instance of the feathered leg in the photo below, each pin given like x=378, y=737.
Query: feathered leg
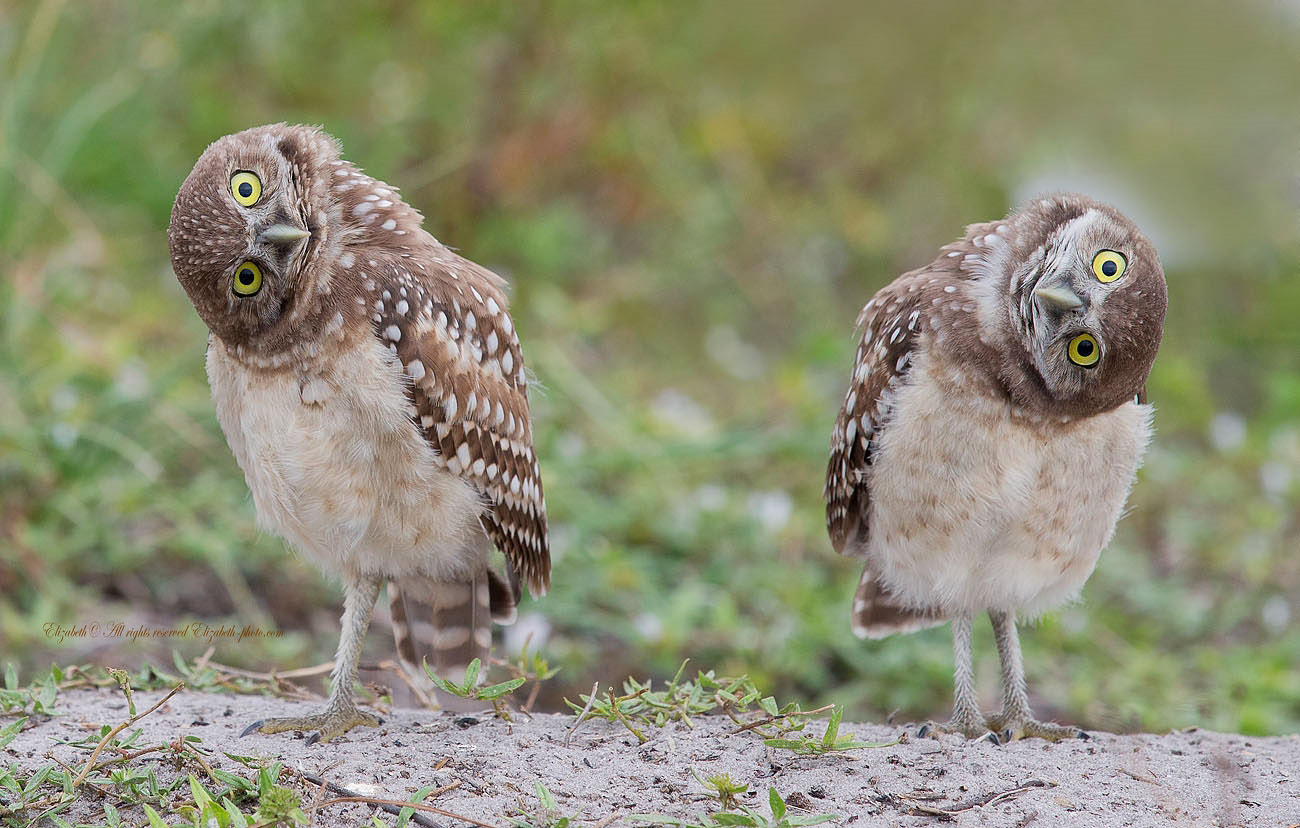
x=1016, y=721
x=966, y=717
x=341, y=713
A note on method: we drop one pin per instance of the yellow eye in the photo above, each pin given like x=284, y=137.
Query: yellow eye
x=1108, y=265
x=246, y=187
x=1084, y=350
x=248, y=279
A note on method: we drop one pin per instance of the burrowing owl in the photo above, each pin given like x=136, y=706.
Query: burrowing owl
x=992, y=430
x=370, y=384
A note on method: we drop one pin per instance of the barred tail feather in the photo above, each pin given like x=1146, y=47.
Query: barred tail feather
x=446, y=624
x=462, y=624
x=876, y=613
x=504, y=593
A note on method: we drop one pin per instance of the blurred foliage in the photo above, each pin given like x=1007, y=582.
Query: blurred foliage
x=691, y=201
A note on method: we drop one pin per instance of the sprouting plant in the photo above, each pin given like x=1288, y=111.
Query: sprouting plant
x=831, y=740
x=529, y=667
x=680, y=700
x=468, y=688
x=722, y=788
x=547, y=814
x=41, y=695
x=748, y=817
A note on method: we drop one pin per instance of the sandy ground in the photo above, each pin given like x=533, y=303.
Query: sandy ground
x=603, y=775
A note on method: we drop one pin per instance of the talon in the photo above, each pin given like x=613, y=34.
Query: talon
x=323, y=727
x=921, y=732
x=254, y=726
x=1084, y=735
x=1007, y=736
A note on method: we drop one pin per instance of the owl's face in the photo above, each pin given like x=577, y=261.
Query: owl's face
x=1087, y=307
x=248, y=225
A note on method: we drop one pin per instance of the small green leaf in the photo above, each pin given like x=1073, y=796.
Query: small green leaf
x=404, y=816
x=201, y=797
x=471, y=674
x=237, y=817
x=813, y=819
x=155, y=821
x=544, y=796
x=233, y=781
x=445, y=685
x=46, y=697
x=788, y=744
x=111, y=817
x=11, y=676
x=11, y=731
x=833, y=727
x=496, y=691
x=768, y=703
x=778, y=804
x=37, y=780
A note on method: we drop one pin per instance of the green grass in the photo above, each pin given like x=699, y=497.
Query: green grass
x=691, y=204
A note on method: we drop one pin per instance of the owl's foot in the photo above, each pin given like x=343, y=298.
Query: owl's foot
x=971, y=728
x=1009, y=728
x=327, y=725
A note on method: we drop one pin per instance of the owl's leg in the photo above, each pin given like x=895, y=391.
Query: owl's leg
x=341, y=713
x=1016, y=721
x=966, y=717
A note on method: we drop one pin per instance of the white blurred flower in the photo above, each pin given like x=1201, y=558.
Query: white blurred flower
x=528, y=624
x=675, y=409
x=771, y=509
x=64, y=434
x=132, y=381
x=1275, y=477
x=1227, y=430
x=710, y=497
x=63, y=399
x=1276, y=614
x=649, y=627
x=732, y=354
x=570, y=445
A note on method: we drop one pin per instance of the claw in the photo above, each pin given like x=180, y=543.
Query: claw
x=324, y=726
x=1014, y=728
x=254, y=726
x=971, y=730
x=990, y=737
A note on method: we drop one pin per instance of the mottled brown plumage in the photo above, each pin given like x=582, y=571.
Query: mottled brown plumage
x=992, y=427
x=371, y=385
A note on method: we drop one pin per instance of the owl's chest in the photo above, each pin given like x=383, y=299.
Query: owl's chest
x=973, y=506
x=336, y=466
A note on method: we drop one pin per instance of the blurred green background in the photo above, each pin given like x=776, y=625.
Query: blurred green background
x=692, y=201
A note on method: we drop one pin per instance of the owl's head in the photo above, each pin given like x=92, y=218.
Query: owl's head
x=1086, y=308
x=248, y=228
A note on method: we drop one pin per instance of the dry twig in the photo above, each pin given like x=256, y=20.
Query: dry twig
x=90, y=763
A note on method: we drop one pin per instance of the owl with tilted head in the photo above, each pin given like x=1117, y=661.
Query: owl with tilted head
x=994, y=423
x=371, y=386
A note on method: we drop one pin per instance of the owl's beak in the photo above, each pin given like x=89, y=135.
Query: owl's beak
x=1059, y=298
x=285, y=234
